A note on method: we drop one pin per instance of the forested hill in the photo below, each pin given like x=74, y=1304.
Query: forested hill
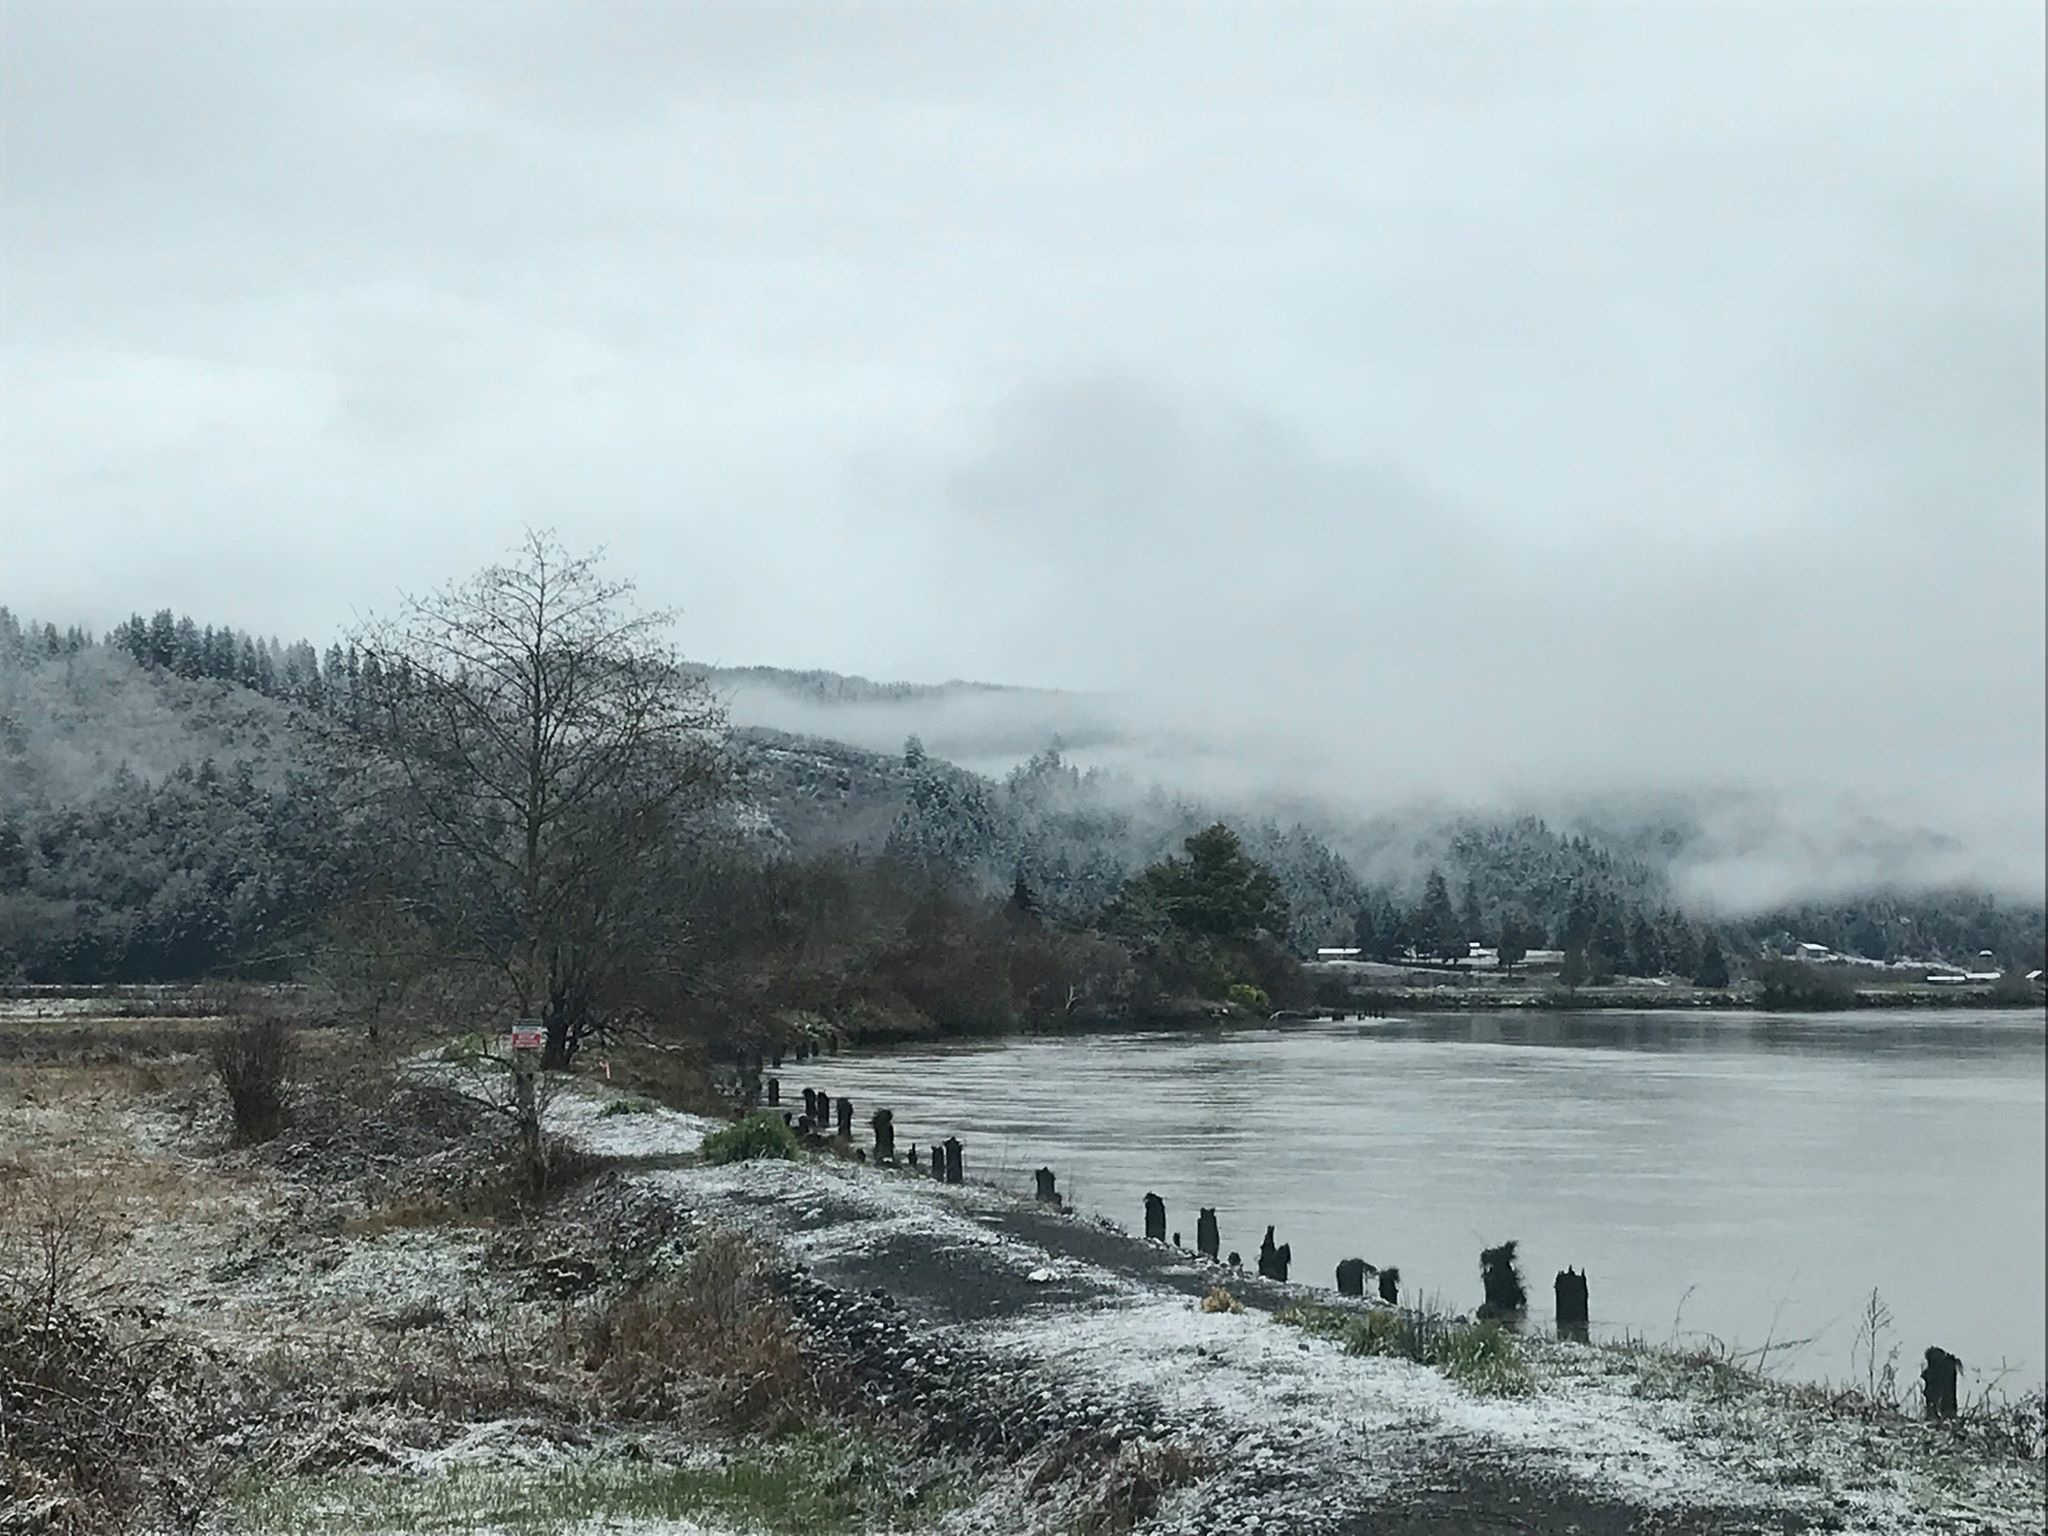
x=163, y=815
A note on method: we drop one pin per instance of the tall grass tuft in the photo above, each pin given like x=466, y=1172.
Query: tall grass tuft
x=253, y=1060
x=1482, y=1357
x=761, y=1135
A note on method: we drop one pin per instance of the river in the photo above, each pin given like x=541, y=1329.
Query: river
x=1745, y=1177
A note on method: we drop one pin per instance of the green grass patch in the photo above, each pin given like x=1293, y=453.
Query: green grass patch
x=759, y=1135
x=817, y=1482
x=1482, y=1357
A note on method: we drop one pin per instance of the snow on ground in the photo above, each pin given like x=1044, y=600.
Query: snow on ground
x=843, y=1210
x=1257, y=1384
x=587, y=1119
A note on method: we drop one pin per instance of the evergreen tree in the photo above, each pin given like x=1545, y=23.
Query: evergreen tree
x=1513, y=943
x=1713, y=971
x=1646, y=949
x=1434, y=924
x=1023, y=902
x=1365, y=932
x=1471, y=921
x=1609, y=950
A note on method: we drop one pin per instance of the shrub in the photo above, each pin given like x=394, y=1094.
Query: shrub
x=1793, y=986
x=1242, y=995
x=625, y=1107
x=253, y=1059
x=1482, y=1357
x=1124, y=1491
x=1220, y=1300
x=714, y=1326
x=95, y=1433
x=759, y=1135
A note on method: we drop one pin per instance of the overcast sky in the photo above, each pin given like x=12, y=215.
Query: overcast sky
x=1437, y=395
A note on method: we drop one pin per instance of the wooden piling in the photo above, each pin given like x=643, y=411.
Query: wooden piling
x=1938, y=1382
x=1502, y=1281
x=1274, y=1259
x=1574, y=1313
x=1155, y=1218
x=1207, y=1241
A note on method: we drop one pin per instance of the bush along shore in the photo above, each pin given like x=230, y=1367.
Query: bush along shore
x=251, y=1284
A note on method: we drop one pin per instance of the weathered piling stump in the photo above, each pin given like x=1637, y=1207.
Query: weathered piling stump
x=1236, y=1259
x=774, y=1091
x=911, y=1156
x=952, y=1159
x=1351, y=1277
x=1390, y=1287
x=776, y=1056
x=1273, y=1260
x=1155, y=1218
x=846, y=1119
x=884, y=1122
x=1938, y=1382
x=1505, y=1296
x=810, y=1105
x=1207, y=1242
x=1047, y=1194
x=1574, y=1312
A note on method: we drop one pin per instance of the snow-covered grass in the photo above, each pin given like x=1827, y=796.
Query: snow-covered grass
x=589, y=1120
x=815, y=1483
x=1263, y=1388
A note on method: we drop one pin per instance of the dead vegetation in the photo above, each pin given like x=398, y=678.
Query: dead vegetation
x=711, y=1328
x=97, y=1409
x=252, y=1060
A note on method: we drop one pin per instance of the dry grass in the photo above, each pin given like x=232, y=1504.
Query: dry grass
x=1120, y=1489
x=713, y=1329
x=1220, y=1300
x=413, y=1213
x=253, y=1061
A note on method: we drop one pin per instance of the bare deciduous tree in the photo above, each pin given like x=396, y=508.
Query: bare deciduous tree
x=545, y=746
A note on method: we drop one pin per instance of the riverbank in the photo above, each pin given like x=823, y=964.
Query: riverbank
x=382, y=1338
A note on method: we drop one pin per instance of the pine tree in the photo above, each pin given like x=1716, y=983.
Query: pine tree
x=1713, y=971
x=1434, y=923
x=1646, y=949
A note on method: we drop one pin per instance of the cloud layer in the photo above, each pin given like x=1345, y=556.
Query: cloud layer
x=1469, y=401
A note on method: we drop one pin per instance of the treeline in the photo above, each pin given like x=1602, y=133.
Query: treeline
x=1601, y=933
x=165, y=814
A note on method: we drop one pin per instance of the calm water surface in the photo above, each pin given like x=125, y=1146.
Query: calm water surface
x=1747, y=1176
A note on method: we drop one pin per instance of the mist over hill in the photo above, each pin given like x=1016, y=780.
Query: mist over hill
x=163, y=812
x=1725, y=848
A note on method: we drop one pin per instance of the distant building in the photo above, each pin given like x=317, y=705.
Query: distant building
x=1340, y=954
x=1811, y=953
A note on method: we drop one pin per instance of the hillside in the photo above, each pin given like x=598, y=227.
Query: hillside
x=164, y=813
